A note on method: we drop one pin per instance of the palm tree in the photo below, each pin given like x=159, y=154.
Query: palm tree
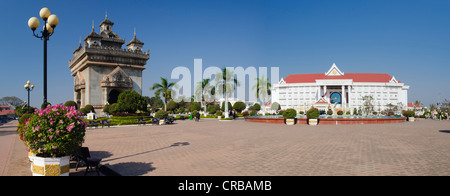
x=165, y=89
x=204, y=89
x=262, y=87
x=225, y=83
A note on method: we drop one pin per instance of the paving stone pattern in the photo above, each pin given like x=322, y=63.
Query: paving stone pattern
x=210, y=147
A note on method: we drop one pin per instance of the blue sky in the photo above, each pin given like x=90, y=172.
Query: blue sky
x=407, y=39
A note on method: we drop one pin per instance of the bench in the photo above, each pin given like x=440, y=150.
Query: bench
x=141, y=121
x=105, y=122
x=155, y=121
x=93, y=123
x=169, y=120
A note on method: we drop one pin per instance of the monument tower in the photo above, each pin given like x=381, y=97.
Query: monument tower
x=102, y=69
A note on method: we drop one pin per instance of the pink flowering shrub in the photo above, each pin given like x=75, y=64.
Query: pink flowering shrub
x=54, y=131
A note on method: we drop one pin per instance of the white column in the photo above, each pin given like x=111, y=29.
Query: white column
x=350, y=97
x=343, y=101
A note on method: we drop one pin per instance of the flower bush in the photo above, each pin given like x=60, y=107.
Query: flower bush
x=340, y=112
x=54, y=131
x=409, y=113
x=161, y=114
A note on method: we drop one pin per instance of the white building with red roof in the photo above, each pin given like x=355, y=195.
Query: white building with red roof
x=340, y=91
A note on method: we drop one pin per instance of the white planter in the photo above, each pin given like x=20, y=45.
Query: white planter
x=50, y=166
x=91, y=116
x=312, y=121
x=162, y=122
x=219, y=117
x=411, y=119
x=290, y=121
x=31, y=156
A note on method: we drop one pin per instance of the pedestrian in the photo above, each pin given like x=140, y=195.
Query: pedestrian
x=234, y=115
x=197, y=116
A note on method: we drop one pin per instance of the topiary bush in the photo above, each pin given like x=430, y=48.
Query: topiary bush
x=330, y=112
x=290, y=114
x=313, y=113
x=71, y=103
x=239, y=106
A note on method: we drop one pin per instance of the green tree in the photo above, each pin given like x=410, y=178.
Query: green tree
x=225, y=84
x=13, y=101
x=239, y=106
x=204, y=89
x=223, y=106
x=256, y=107
x=262, y=87
x=71, y=103
x=155, y=102
x=172, y=105
x=131, y=101
x=194, y=106
x=163, y=88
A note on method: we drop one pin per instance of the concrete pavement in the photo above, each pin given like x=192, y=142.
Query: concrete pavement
x=241, y=148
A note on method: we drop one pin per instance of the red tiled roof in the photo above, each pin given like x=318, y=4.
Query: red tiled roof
x=410, y=105
x=356, y=77
x=6, y=112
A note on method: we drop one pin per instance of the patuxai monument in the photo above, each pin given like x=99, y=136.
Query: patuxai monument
x=102, y=69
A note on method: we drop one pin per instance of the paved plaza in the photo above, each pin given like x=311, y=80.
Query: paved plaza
x=210, y=147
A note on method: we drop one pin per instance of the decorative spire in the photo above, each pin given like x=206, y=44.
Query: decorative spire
x=93, y=26
x=106, y=16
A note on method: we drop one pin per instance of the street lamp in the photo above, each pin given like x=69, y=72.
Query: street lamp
x=28, y=87
x=50, y=23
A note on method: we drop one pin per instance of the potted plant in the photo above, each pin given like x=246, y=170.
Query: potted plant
x=340, y=113
x=313, y=116
x=21, y=129
x=330, y=112
x=53, y=134
x=219, y=114
x=162, y=115
x=289, y=116
x=409, y=115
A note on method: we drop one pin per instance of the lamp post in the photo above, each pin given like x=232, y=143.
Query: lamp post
x=50, y=23
x=28, y=87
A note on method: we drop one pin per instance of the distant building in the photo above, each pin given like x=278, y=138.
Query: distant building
x=338, y=91
x=102, y=69
x=7, y=111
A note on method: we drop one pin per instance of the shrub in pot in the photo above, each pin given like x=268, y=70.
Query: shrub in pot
x=312, y=115
x=410, y=115
x=330, y=112
x=289, y=115
x=52, y=134
x=219, y=114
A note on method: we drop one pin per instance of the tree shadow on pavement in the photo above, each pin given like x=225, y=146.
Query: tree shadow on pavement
x=444, y=131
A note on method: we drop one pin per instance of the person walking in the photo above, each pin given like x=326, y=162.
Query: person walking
x=197, y=116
